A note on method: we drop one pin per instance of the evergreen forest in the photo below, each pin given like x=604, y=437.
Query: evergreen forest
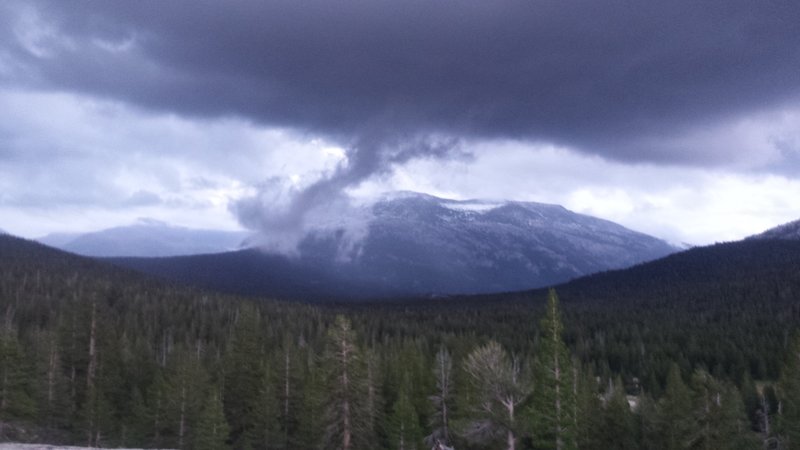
x=94, y=355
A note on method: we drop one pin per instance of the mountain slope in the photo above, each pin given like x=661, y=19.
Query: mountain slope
x=422, y=245
x=730, y=308
x=58, y=240
x=734, y=326
x=494, y=246
x=789, y=230
x=254, y=273
x=147, y=239
x=728, y=272
x=25, y=258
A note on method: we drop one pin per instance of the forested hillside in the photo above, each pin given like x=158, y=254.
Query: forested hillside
x=94, y=355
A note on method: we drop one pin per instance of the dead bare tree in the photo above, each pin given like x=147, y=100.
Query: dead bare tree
x=501, y=389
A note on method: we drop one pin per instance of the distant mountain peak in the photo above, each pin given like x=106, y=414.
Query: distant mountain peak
x=408, y=243
x=147, y=238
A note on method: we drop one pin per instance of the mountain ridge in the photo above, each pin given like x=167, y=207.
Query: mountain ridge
x=147, y=238
x=789, y=231
x=419, y=245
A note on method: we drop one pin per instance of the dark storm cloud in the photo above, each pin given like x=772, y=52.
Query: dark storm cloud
x=600, y=76
x=395, y=80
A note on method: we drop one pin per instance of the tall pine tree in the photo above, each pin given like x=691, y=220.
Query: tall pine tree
x=442, y=399
x=553, y=404
x=789, y=393
x=589, y=419
x=186, y=384
x=675, y=419
x=347, y=417
x=212, y=428
x=311, y=419
x=16, y=395
x=244, y=377
x=404, y=429
x=618, y=429
x=719, y=419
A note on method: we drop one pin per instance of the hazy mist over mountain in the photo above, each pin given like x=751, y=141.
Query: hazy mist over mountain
x=147, y=238
x=416, y=244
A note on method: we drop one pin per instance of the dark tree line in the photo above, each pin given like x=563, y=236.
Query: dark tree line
x=92, y=355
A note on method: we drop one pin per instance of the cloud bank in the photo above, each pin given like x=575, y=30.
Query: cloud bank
x=604, y=77
x=679, y=83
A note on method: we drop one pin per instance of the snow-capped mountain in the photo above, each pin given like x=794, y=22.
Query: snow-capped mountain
x=789, y=230
x=147, y=238
x=417, y=244
x=440, y=245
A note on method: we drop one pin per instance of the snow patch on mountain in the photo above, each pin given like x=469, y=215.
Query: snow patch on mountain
x=472, y=205
x=424, y=243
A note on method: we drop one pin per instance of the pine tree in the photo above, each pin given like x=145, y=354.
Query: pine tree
x=16, y=390
x=442, y=400
x=649, y=430
x=311, y=420
x=186, y=383
x=52, y=392
x=553, y=403
x=735, y=431
x=288, y=365
x=373, y=402
x=212, y=428
x=159, y=426
x=244, y=377
x=788, y=425
x=751, y=399
x=71, y=344
x=404, y=430
x=98, y=408
x=346, y=417
x=719, y=416
x=674, y=412
x=618, y=429
x=767, y=413
x=138, y=421
x=267, y=431
x=706, y=404
x=589, y=410
x=98, y=415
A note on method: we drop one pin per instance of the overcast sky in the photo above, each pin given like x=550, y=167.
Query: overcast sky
x=680, y=119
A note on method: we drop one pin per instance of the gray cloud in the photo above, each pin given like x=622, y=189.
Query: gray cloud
x=281, y=211
x=143, y=198
x=598, y=76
